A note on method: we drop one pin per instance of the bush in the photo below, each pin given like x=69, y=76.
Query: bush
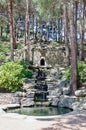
x=81, y=72
x=12, y=75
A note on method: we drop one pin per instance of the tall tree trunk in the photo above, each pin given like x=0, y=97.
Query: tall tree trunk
x=47, y=31
x=73, y=49
x=41, y=30
x=81, y=52
x=53, y=29
x=1, y=31
x=27, y=36
x=66, y=36
x=59, y=30
x=12, y=37
x=36, y=30
x=33, y=24
x=61, y=26
x=76, y=9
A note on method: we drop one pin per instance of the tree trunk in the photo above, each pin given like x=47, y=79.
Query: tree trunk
x=47, y=31
x=76, y=8
x=73, y=82
x=41, y=30
x=35, y=35
x=52, y=29
x=12, y=38
x=66, y=36
x=27, y=37
x=1, y=31
x=81, y=52
x=33, y=25
x=59, y=30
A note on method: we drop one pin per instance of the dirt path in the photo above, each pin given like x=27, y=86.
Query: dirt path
x=72, y=121
x=69, y=122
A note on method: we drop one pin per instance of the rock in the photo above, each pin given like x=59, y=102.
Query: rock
x=84, y=106
x=62, y=83
x=30, y=94
x=57, y=92
x=51, y=85
x=80, y=93
x=7, y=106
x=17, y=100
x=20, y=94
x=26, y=102
x=66, y=90
x=54, y=102
x=1, y=111
x=67, y=101
x=76, y=105
x=28, y=86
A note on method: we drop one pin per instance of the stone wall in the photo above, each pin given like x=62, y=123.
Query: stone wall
x=6, y=98
x=53, y=56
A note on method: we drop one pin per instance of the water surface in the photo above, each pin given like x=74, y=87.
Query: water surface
x=41, y=111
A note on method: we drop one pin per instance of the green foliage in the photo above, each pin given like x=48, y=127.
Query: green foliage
x=47, y=8
x=4, y=51
x=81, y=72
x=12, y=75
x=4, y=38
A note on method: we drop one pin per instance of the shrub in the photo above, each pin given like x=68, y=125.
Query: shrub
x=81, y=72
x=12, y=75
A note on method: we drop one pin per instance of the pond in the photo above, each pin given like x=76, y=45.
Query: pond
x=41, y=111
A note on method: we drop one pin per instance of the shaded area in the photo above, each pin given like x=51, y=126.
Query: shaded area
x=77, y=122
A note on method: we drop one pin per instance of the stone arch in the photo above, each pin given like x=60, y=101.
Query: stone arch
x=42, y=62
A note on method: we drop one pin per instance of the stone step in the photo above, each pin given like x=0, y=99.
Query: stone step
x=41, y=91
x=42, y=103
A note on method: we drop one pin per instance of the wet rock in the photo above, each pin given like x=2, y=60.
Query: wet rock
x=54, y=102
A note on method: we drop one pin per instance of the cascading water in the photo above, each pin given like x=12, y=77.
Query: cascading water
x=40, y=87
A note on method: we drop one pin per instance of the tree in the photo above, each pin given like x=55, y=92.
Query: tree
x=73, y=48
x=27, y=36
x=81, y=17
x=12, y=36
x=66, y=35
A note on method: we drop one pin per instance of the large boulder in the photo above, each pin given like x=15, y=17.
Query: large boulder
x=80, y=93
x=57, y=92
x=67, y=101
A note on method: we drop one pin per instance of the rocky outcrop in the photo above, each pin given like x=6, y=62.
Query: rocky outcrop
x=59, y=95
x=80, y=93
x=67, y=101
